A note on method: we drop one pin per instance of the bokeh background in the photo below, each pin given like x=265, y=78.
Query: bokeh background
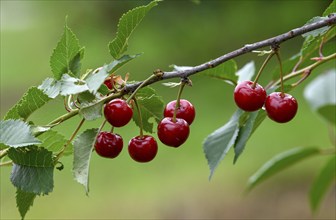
x=175, y=185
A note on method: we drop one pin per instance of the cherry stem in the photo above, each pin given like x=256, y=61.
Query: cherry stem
x=140, y=117
x=102, y=126
x=281, y=72
x=177, y=105
x=140, y=86
x=262, y=68
x=59, y=155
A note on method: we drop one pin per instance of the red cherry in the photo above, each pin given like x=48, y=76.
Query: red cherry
x=186, y=110
x=118, y=113
x=142, y=149
x=281, y=107
x=249, y=98
x=108, y=145
x=108, y=83
x=173, y=133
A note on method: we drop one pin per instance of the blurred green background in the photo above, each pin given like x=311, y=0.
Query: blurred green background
x=175, y=185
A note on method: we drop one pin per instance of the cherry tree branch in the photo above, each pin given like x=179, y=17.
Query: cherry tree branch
x=273, y=42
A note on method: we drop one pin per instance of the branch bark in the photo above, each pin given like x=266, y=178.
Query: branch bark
x=273, y=42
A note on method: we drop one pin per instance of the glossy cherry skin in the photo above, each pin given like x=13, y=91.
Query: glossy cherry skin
x=249, y=98
x=186, y=110
x=108, y=144
x=108, y=83
x=281, y=107
x=118, y=113
x=172, y=133
x=142, y=149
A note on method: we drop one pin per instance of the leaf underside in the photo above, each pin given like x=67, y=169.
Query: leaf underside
x=83, y=146
x=9, y=131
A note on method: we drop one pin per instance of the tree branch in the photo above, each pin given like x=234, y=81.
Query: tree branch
x=273, y=42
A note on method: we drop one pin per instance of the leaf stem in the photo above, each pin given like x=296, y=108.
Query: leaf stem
x=59, y=155
x=63, y=118
x=102, y=125
x=262, y=68
x=308, y=68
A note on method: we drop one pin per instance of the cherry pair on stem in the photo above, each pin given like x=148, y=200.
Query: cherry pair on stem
x=250, y=96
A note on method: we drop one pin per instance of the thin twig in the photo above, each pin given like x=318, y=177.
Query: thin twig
x=274, y=41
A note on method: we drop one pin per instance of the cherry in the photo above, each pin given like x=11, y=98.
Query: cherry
x=281, y=107
x=108, y=144
x=108, y=83
x=173, y=133
x=118, y=113
x=142, y=148
x=248, y=97
x=186, y=110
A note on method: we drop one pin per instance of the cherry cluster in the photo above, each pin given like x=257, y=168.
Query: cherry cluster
x=280, y=107
x=173, y=129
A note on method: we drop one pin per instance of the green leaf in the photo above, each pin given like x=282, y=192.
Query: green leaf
x=54, y=141
x=33, y=169
x=331, y=9
x=225, y=71
x=321, y=184
x=92, y=111
x=9, y=131
x=280, y=162
x=127, y=23
x=312, y=44
x=32, y=100
x=67, y=55
x=217, y=144
x=246, y=72
x=86, y=97
x=151, y=106
x=23, y=201
x=321, y=95
x=83, y=146
x=250, y=124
